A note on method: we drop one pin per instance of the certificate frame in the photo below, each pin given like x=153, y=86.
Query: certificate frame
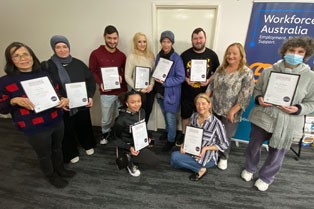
x=203, y=76
x=110, y=78
x=281, y=88
x=77, y=94
x=193, y=139
x=164, y=72
x=41, y=93
x=138, y=84
x=140, y=135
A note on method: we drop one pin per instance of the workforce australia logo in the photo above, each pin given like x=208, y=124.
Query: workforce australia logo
x=258, y=68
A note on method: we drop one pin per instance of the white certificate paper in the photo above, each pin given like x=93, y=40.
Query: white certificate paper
x=281, y=88
x=193, y=140
x=77, y=94
x=198, y=70
x=162, y=69
x=110, y=78
x=140, y=136
x=141, y=77
x=41, y=93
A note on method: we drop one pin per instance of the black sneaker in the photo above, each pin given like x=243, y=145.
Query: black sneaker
x=168, y=146
x=133, y=170
x=179, y=140
x=57, y=181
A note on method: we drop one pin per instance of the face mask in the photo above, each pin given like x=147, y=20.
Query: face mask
x=293, y=59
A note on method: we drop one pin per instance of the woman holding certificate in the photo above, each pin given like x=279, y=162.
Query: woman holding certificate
x=212, y=140
x=169, y=74
x=75, y=81
x=44, y=129
x=131, y=115
x=280, y=124
x=231, y=90
x=138, y=71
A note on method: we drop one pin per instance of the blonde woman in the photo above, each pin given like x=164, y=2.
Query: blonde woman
x=214, y=140
x=141, y=56
x=231, y=90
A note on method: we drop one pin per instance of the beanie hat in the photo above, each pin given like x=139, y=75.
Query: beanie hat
x=57, y=39
x=167, y=34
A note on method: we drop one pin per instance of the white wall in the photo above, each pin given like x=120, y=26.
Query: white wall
x=82, y=21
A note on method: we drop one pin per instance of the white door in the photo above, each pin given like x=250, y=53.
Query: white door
x=181, y=20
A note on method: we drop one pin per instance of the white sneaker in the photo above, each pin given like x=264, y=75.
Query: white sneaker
x=246, y=176
x=90, y=151
x=223, y=164
x=134, y=171
x=75, y=160
x=261, y=185
x=103, y=141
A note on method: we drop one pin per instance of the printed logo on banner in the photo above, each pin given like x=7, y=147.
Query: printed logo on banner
x=270, y=25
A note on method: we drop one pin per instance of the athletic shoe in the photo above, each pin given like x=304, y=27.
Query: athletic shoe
x=105, y=138
x=180, y=140
x=90, y=151
x=246, y=176
x=134, y=171
x=75, y=160
x=261, y=185
x=223, y=164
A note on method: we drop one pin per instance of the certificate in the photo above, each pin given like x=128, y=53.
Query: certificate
x=140, y=136
x=281, y=88
x=193, y=140
x=110, y=78
x=198, y=70
x=142, y=75
x=41, y=93
x=162, y=69
x=77, y=94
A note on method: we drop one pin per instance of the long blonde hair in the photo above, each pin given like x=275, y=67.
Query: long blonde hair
x=242, y=64
x=147, y=53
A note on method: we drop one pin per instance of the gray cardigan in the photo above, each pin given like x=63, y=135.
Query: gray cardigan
x=285, y=127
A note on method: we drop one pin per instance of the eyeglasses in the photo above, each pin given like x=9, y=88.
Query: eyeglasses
x=18, y=57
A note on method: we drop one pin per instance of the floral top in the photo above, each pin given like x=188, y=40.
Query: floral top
x=231, y=89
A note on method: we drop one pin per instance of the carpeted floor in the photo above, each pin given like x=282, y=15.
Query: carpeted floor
x=99, y=184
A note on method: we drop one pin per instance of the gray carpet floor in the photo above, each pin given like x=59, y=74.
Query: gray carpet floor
x=99, y=184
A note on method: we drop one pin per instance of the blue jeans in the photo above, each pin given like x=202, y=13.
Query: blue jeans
x=179, y=160
x=170, y=120
x=109, y=107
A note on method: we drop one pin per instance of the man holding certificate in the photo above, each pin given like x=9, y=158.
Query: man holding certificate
x=204, y=138
x=130, y=134
x=200, y=63
x=77, y=83
x=108, y=56
x=44, y=129
x=280, y=124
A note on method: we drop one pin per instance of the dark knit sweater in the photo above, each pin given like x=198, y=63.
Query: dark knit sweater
x=25, y=120
x=122, y=127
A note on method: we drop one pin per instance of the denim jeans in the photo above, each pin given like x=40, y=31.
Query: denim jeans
x=109, y=107
x=179, y=160
x=170, y=120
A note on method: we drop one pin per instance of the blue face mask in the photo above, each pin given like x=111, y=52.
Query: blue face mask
x=293, y=59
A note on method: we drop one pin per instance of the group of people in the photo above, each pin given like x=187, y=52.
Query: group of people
x=215, y=105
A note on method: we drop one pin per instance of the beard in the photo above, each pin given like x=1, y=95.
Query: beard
x=199, y=48
x=111, y=47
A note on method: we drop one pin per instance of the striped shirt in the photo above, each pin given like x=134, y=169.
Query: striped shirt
x=214, y=134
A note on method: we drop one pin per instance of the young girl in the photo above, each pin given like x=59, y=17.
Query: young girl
x=130, y=114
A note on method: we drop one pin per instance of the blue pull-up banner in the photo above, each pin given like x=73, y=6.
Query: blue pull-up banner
x=270, y=25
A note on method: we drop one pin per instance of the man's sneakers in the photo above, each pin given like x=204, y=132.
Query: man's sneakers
x=246, y=176
x=223, y=164
x=261, y=185
x=105, y=138
x=90, y=151
x=75, y=160
x=133, y=170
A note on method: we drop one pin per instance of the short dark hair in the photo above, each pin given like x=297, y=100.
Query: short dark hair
x=197, y=31
x=10, y=68
x=305, y=42
x=110, y=29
